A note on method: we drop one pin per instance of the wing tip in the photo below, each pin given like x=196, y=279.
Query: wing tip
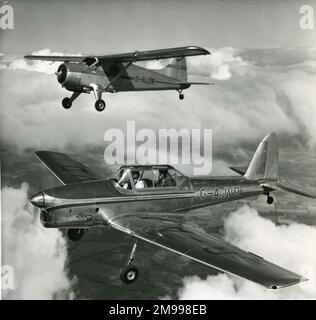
x=287, y=283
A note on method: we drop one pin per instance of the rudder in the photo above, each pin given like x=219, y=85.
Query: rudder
x=177, y=68
x=264, y=163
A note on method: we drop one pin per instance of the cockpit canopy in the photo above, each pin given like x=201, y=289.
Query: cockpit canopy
x=143, y=177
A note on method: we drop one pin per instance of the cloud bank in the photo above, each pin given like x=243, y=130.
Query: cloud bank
x=257, y=91
x=288, y=246
x=38, y=256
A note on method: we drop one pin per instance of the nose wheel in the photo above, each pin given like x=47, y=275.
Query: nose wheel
x=129, y=273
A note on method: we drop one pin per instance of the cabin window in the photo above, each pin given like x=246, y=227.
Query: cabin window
x=146, y=178
x=123, y=179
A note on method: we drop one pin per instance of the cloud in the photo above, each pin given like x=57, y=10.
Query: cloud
x=38, y=256
x=288, y=246
x=220, y=65
x=254, y=99
x=35, y=65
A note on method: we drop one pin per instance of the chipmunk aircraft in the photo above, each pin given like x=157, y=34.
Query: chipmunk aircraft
x=117, y=72
x=148, y=202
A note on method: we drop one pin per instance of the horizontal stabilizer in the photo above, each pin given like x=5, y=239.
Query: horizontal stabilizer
x=198, y=83
x=240, y=170
x=289, y=187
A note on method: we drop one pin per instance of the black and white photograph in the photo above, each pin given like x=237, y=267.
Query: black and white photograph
x=158, y=150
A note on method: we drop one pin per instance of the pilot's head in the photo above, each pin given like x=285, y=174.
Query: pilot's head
x=135, y=175
x=163, y=173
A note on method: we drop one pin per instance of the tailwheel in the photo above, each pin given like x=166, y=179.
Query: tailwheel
x=181, y=96
x=66, y=103
x=270, y=199
x=100, y=105
x=129, y=274
x=75, y=234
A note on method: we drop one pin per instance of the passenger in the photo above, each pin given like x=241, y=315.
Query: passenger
x=165, y=179
x=138, y=183
x=127, y=182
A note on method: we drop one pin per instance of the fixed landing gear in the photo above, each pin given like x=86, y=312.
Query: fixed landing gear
x=99, y=105
x=269, y=199
x=67, y=102
x=181, y=95
x=129, y=273
x=75, y=234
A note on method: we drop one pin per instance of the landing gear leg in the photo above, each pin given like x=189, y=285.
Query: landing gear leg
x=129, y=273
x=99, y=104
x=181, y=95
x=67, y=102
x=270, y=199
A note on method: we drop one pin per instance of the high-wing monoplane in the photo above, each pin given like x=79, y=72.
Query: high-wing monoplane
x=118, y=72
x=149, y=202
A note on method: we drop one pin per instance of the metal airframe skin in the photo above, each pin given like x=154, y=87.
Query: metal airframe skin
x=118, y=72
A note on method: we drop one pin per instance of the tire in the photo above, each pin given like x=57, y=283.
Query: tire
x=75, y=234
x=66, y=103
x=129, y=274
x=181, y=96
x=99, y=105
x=270, y=200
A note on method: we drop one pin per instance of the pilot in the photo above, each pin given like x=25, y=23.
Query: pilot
x=138, y=183
x=165, y=179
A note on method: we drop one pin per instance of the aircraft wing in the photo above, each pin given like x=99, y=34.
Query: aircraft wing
x=66, y=169
x=128, y=57
x=164, y=230
x=55, y=58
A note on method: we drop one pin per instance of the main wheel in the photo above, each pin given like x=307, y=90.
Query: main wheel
x=181, y=96
x=75, y=234
x=129, y=274
x=270, y=200
x=66, y=103
x=100, y=105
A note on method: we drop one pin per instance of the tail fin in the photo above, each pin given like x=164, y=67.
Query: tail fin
x=177, y=69
x=264, y=163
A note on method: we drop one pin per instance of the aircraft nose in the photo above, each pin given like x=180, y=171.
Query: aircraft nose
x=38, y=200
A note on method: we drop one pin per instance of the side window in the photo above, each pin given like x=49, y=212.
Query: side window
x=143, y=179
x=165, y=178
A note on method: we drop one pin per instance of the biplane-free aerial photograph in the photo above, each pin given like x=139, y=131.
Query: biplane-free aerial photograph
x=158, y=150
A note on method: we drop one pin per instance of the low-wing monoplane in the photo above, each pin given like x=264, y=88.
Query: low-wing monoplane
x=118, y=72
x=149, y=202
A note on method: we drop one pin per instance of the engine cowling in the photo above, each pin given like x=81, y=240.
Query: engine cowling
x=69, y=76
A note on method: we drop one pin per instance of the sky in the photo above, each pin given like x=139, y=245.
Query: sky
x=118, y=26
x=264, y=68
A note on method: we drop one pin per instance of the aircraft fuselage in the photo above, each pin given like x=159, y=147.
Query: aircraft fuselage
x=91, y=204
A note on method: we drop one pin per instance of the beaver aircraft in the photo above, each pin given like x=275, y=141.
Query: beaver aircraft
x=117, y=72
x=148, y=202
